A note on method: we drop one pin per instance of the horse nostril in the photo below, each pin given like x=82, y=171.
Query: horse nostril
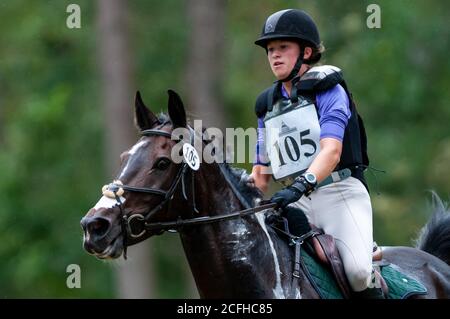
x=98, y=226
x=84, y=222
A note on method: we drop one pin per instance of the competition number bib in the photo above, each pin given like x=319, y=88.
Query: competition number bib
x=292, y=140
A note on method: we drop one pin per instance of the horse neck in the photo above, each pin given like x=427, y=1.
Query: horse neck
x=213, y=193
x=233, y=258
x=209, y=192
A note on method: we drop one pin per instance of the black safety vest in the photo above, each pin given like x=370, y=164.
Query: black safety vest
x=354, y=145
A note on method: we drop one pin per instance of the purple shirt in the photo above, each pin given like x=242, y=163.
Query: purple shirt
x=333, y=112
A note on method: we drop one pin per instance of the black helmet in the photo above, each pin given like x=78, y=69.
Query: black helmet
x=289, y=24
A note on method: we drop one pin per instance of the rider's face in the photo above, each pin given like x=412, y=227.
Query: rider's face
x=282, y=55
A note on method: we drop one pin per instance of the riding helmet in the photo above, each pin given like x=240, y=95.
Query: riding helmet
x=289, y=24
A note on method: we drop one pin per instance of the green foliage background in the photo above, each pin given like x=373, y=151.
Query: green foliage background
x=51, y=161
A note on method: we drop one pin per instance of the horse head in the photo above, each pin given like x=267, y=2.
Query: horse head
x=147, y=180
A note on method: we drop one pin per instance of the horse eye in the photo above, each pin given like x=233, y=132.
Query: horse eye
x=162, y=164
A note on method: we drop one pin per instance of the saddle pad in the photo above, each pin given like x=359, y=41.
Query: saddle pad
x=400, y=285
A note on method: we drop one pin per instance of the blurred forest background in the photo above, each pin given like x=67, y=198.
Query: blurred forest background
x=67, y=96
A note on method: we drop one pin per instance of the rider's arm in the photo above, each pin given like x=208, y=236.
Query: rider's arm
x=260, y=177
x=327, y=159
x=334, y=111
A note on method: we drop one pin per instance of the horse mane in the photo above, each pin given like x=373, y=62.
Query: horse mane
x=236, y=175
x=434, y=238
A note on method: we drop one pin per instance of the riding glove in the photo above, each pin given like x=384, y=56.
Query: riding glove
x=293, y=192
x=286, y=196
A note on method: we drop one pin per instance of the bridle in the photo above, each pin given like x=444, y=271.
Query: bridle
x=141, y=222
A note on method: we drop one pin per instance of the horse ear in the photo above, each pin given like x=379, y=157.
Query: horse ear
x=176, y=110
x=145, y=119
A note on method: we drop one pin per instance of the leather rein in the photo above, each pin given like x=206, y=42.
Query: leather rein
x=116, y=189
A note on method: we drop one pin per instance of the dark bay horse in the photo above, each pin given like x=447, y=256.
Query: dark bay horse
x=230, y=255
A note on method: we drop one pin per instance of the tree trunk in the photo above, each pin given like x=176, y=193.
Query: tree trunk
x=134, y=277
x=206, y=20
x=204, y=72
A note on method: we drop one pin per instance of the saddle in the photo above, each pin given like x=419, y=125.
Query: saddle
x=323, y=246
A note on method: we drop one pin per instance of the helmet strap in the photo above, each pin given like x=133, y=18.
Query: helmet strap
x=297, y=66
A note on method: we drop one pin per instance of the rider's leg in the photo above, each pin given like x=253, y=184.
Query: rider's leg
x=343, y=210
x=373, y=291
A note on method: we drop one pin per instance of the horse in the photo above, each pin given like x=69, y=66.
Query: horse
x=231, y=251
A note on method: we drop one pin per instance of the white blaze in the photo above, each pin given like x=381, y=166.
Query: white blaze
x=131, y=152
x=106, y=202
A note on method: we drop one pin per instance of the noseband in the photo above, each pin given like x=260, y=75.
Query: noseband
x=116, y=189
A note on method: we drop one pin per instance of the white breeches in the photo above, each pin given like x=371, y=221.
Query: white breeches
x=343, y=210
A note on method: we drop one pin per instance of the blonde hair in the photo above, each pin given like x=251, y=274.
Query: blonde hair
x=316, y=52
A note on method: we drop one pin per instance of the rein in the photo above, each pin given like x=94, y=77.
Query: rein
x=116, y=189
x=207, y=219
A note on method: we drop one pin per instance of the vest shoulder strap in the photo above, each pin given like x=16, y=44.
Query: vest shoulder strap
x=323, y=78
x=320, y=78
x=265, y=100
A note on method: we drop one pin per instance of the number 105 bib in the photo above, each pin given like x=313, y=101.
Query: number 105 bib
x=292, y=138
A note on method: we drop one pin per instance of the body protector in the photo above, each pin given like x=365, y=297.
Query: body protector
x=293, y=131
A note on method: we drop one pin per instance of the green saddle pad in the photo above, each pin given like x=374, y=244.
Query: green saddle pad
x=400, y=285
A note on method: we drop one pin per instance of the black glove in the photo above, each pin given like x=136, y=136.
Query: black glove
x=286, y=196
x=293, y=192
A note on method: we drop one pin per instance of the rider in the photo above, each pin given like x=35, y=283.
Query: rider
x=311, y=139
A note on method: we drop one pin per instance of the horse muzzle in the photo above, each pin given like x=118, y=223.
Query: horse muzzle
x=101, y=238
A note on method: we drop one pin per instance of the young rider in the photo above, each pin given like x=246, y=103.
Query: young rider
x=312, y=140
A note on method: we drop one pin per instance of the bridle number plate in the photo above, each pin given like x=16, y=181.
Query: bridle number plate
x=191, y=157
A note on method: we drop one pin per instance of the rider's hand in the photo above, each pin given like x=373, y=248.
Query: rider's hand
x=248, y=180
x=304, y=184
x=286, y=196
